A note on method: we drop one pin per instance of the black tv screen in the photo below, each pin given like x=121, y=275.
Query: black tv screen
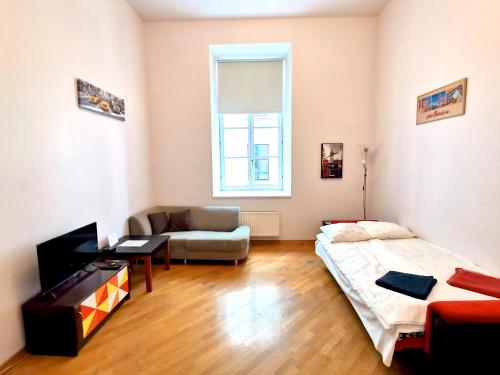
x=63, y=256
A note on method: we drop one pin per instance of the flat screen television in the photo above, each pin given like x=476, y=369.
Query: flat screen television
x=64, y=256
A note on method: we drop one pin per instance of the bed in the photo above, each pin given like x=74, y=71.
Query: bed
x=391, y=319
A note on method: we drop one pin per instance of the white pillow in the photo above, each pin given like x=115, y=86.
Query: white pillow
x=334, y=227
x=345, y=232
x=384, y=230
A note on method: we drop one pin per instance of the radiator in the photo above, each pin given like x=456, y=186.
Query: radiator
x=262, y=223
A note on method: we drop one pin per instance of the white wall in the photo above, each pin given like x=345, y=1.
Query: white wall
x=332, y=95
x=63, y=167
x=442, y=179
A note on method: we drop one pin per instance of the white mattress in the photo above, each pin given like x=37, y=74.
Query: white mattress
x=385, y=313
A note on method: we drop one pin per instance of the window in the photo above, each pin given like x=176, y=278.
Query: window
x=251, y=120
x=251, y=152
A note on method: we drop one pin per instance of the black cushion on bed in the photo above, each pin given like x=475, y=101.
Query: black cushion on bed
x=416, y=286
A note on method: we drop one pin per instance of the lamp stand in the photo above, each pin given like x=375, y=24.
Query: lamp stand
x=365, y=167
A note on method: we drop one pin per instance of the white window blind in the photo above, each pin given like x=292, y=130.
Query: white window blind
x=250, y=86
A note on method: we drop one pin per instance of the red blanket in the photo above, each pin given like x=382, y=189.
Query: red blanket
x=461, y=312
x=477, y=282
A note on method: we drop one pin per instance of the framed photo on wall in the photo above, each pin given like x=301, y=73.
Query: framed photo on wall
x=96, y=99
x=447, y=101
x=332, y=155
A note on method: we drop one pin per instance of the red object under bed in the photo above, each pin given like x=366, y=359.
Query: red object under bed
x=417, y=342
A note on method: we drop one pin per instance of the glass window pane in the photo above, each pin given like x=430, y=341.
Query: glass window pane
x=261, y=170
x=261, y=151
x=235, y=121
x=268, y=119
x=235, y=142
x=273, y=175
x=236, y=172
x=267, y=136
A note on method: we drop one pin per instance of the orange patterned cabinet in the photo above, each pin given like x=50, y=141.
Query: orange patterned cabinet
x=96, y=307
x=61, y=323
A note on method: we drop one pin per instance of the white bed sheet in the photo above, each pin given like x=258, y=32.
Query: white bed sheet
x=357, y=265
x=383, y=339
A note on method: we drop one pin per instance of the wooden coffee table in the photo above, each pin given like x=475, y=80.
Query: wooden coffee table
x=145, y=252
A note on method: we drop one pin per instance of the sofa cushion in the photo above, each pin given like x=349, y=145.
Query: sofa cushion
x=209, y=240
x=177, y=239
x=214, y=243
x=180, y=221
x=159, y=222
x=215, y=218
x=139, y=224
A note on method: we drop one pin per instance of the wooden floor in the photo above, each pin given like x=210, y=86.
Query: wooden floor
x=280, y=312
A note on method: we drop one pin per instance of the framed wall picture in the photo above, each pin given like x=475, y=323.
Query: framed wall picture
x=96, y=99
x=447, y=101
x=332, y=155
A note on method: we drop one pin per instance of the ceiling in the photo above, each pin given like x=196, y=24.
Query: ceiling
x=173, y=10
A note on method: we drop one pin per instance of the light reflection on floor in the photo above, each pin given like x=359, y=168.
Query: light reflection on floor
x=253, y=314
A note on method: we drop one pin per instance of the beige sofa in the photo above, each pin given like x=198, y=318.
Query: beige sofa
x=216, y=233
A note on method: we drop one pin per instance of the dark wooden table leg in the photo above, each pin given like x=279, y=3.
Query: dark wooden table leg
x=148, y=274
x=166, y=253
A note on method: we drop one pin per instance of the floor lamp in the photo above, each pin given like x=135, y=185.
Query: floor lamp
x=365, y=167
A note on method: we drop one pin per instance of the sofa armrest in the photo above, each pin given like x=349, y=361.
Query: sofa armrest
x=241, y=233
x=139, y=225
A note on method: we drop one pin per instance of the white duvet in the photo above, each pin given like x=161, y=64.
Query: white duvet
x=361, y=263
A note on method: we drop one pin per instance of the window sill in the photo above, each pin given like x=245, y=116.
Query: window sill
x=252, y=194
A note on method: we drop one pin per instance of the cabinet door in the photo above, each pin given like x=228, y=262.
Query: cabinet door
x=100, y=303
x=50, y=330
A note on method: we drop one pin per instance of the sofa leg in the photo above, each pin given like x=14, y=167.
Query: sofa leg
x=236, y=262
x=185, y=261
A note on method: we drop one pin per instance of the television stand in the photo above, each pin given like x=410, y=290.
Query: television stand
x=63, y=323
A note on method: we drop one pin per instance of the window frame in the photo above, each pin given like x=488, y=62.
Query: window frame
x=246, y=52
x=252, y=186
